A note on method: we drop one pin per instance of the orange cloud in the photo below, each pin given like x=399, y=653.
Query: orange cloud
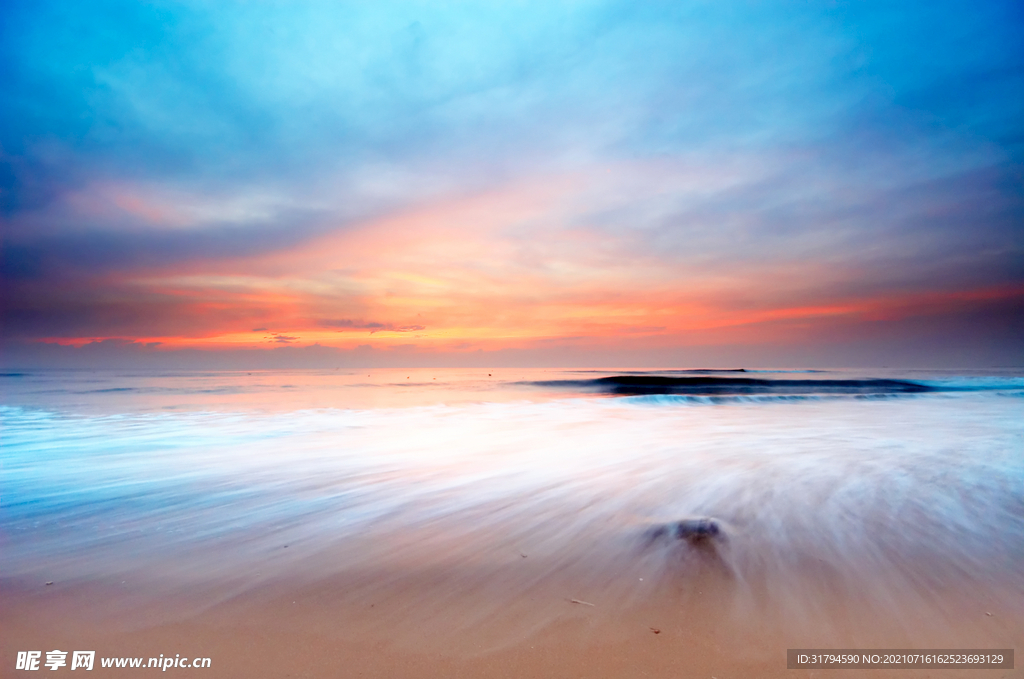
x=505, y=268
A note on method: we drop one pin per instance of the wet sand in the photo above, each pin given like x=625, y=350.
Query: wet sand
x=511, y=619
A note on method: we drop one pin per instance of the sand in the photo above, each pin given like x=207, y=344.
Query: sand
x=446, y=620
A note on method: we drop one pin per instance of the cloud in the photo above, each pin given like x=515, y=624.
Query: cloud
x=173, y=172
x=283, y=339
x=372, y=326
x=349, y=323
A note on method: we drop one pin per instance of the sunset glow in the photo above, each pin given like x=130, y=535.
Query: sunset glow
x=599, y=178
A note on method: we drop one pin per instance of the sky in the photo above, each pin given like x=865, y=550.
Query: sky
x=320, y=184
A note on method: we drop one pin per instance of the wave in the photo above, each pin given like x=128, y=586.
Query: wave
x=648, y=384
x=839, y=494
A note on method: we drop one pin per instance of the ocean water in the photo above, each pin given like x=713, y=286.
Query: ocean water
x=891, y=487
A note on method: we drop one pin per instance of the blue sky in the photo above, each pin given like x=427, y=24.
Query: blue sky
x=626, y=179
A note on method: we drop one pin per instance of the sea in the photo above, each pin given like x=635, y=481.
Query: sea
x=895, y=487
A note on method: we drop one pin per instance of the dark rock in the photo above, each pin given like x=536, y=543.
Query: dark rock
x=695, y=531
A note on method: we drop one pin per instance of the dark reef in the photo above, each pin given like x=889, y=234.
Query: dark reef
x=644, y=384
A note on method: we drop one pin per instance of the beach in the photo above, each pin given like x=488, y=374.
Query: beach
x=446, y=623
x=674, y=340
x=460, y=523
